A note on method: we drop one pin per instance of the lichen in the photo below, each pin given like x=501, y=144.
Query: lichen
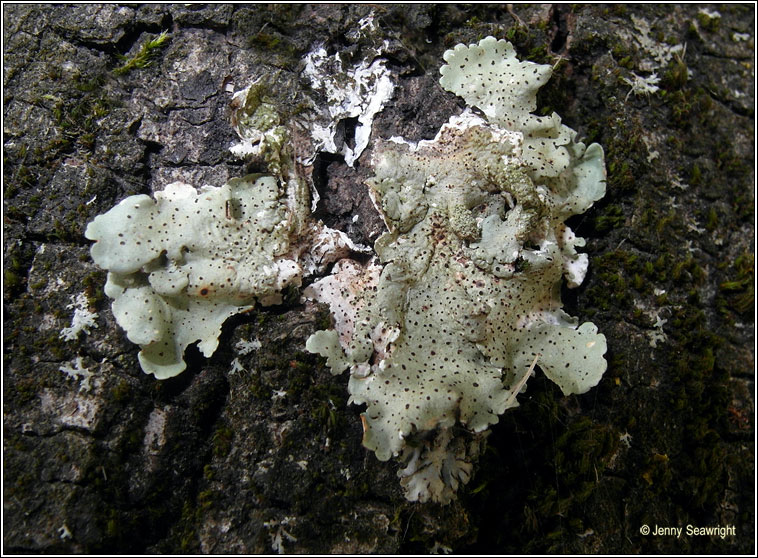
x=258, y=124
x=82, y=320
x=358, y=92
x=181, y=264
x=77, y=371
x=468, y=297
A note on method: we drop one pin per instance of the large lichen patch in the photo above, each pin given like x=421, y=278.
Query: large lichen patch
x=469, y=295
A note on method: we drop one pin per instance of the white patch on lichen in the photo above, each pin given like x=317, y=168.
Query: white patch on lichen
x=82, y=320
x=365, y=26
x=650, y=142
x=72, y=410
x=659, y=53
x=155, y=432
x=710, y=14
x=279, y=534
x=246, y=347
x=236, y=367
x=440, y=548
x=328, y=245
x=359, y=92
x=658, y=335
x=435, y=470
x=64, y=532
x=342, y=291
x=258, y=124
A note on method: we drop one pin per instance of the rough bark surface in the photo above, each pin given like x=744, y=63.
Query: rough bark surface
x=270, y=458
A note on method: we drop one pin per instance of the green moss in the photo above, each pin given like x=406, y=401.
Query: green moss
x=565, y=459
x=13, y=281
x=145, y=55
x=208, y=472
x=657, y=471
x=205, y=499
x=112, y=530
x=516, y=34
x=14, y=276
x=627, y=62
x=612, y=217
x=695, y=175
x=89, y=84
x=676, y=75
x=54, y=344
x=222, y=441
x=26, y=389
x=93, y=287
x=681, y=107
x=37, y=285
x=273, y=42
x=665, y=222
x=712, y=220
x=122, y=392
x=737, y=294
x=620, y=174
x=708, y=23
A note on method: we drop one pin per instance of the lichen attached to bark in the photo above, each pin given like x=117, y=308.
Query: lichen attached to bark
x=469, y=295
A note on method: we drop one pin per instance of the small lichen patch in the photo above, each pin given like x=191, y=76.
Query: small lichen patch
x=236, y=367
x=657, y=53
x=245, y=347
x=181, y=264
x=279, y=534
x=359, y=92
x=82, y=320
x=77, y=371
x=642, y=85
x=257, y=122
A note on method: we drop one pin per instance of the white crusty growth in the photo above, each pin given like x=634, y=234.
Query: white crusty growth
x=469, y=295
x=359, y=92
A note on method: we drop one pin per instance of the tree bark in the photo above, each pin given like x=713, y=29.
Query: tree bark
x=269, y=457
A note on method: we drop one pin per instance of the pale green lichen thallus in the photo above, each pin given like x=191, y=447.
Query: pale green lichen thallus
x=179, y=265
x=469, y=294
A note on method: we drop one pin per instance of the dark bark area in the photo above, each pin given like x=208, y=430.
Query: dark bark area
x=271, y=456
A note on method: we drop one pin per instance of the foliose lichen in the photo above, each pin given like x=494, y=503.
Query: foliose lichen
x=442, y=330
x=180, y=264
x=357, y=92
x=443, y=338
